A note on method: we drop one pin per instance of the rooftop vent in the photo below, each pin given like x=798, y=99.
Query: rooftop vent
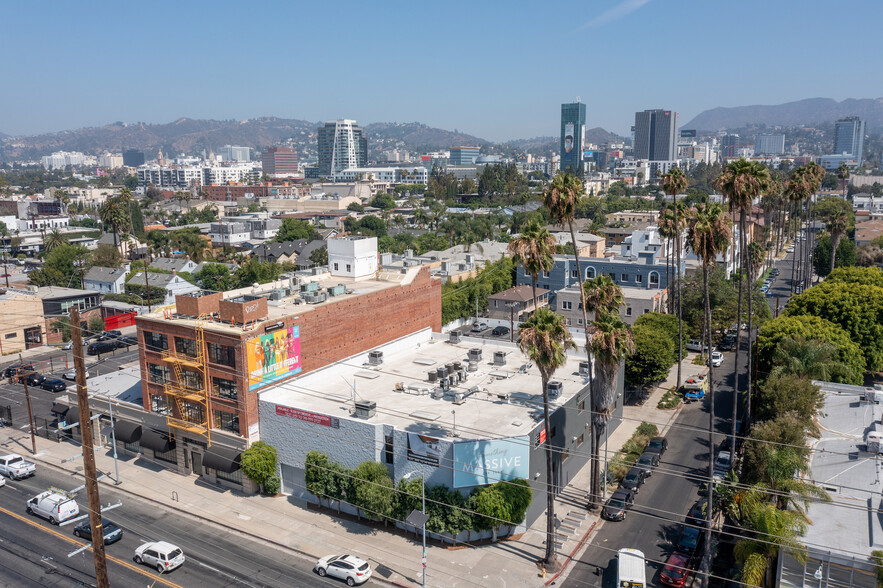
x=365, y=409
x=375, y=357
x=473, y=366
x=475, y=354
x=499, y=358
x=433, y=376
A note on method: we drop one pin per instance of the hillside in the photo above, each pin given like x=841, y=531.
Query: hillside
x=416, y=136
x=811, y=111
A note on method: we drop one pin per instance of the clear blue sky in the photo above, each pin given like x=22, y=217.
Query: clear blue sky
x=497, y=70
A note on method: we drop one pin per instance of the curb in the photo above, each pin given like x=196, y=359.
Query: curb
x=210, y=521
x=572, y=553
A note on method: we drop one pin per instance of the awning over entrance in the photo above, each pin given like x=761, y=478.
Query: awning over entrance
x=156, y=440
x=126, y=431
x=221, y=459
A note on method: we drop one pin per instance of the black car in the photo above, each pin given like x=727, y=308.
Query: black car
x=500, y=331
x=619, y=502
x=126, y=341
x=696, y=516
x=32, y=378
x=688, y=542
x=100, y=347
x=17, y=368
x=657, y=445
x=112, y=533
x=727, y=344
x=647, y=462
x=633, y=480
x=108, y=335
x=54, y=385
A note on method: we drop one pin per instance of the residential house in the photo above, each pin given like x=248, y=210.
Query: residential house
x=516, y=303
x=172, y=284
x=867, y=231
x=57, y=303
x=638, y=301
x=588, y=245
x=106, y=280
x=173, y=264
x=229, y=234
x=633, y=217
x=303, y=261
x=645, y=272
x=279, y=252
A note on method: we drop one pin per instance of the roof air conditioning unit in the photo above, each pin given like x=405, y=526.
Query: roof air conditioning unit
x=499, y=358
x=456, y=336
x=475, y=354
x=365, y=409
x=555, y=388
x=375, y=357
x=584, y=368
x=433, y=376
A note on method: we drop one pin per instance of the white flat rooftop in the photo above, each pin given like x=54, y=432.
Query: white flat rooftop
x=504, y=402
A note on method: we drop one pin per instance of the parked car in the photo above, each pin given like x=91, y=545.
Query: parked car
x=54, y=385
x=70, y=344
x=619, y=502
x=108, y=335
x=500, y=331
x=112, y=533
x=353, y=570
x=657, y=445
x=17, y=368
x=688, y=542
x=693, y=345
x=478, y=327
x=647, y=461
x=14, y=466
x=100, y=347
x=161, y=555
x=724, y=462
x=716, y=359
x=633, y=480
x=126, y=341
x=2, y=481
x=32, y=378
x=676, y=570
x=72, y=375
x=53, y=506
x=727, y=344
x=696, y=515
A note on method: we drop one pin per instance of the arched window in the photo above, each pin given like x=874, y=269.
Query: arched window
x=590, y=273
x=654, y=279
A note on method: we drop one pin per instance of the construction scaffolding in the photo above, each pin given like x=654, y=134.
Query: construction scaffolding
x=190, y=393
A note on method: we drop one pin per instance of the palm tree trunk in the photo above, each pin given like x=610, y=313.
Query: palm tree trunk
x=796, y=253
x=709, y=511
x=750, y=356
x=678, y=288
x=594, y=483
x=743, y=269
x=835, y=242
x=550, y=558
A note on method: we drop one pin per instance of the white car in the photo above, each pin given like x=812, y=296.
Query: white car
x=717, y=358
x=354, y=570
x=72, y=375
x=161, y=555
x=2, y=481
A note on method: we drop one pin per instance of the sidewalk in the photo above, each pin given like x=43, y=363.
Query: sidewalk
x=394, y=554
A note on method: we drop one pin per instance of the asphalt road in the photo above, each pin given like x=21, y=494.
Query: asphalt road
x=35, y=553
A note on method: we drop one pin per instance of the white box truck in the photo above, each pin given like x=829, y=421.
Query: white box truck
x=631, y=569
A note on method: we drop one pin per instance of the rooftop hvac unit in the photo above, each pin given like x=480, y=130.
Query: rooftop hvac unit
x=310, y=287
x=584, y=368
x=375, y=357
x=438, y=394
x=365, y=409
x=472, y=367
x=499, y=358
x=441, y=371
x=475, y=354
x=336, y=290
x=455, y=336
x=433, y=376
x=555, y=388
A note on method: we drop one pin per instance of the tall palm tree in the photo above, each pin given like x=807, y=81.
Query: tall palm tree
x=545, y=340
x=838, y=224
x=797, y=189
x=533, y=248
x=843, y=174
x=612, y=342
x=603, y=297
x=708, y=235
x=54, y=239
x=674, y=183
x=816, y=174
x=666, y=227
x=741, y=182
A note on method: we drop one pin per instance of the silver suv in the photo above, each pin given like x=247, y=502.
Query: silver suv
x=163, y=556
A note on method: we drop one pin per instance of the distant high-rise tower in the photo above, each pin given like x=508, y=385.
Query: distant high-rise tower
x=133, y=157
x=234, y=153
x=342, y=145
x=656, y=135
x=769, y=144
x=849, y=137
x=279, y=161
x=573, y=131
x=464, y=155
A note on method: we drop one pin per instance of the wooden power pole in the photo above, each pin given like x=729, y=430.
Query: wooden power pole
x=89, y=454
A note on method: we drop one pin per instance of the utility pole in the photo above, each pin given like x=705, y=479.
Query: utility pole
x=146, y=284
x=89, y=454
x=24, y=380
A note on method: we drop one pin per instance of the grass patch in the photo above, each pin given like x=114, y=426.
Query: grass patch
x=669, y=400
x=630, y=452
x=698, y=360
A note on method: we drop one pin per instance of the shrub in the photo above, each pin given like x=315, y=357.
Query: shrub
x=272, y=485
x=258, y=462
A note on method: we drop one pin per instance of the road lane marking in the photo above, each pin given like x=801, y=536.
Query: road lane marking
x=117, y=560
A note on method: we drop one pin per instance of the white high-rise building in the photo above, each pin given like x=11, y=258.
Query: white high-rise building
x=342, y=145
x=62, y=159
x=234, y=153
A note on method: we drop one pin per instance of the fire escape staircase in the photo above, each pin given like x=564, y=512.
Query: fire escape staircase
x=183, y=394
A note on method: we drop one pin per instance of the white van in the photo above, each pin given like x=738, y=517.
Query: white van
x=55, y=507
x=631, y=569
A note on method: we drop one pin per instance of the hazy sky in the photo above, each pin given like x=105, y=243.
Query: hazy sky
x=497, y=70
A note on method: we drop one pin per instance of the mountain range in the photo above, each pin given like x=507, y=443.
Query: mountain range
x=809, y=112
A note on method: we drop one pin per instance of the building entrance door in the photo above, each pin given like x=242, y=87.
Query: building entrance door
x=196, y=463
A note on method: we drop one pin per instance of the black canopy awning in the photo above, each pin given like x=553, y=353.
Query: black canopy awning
x=156, y=440
x=60, y=408
x=126, y=431
x=221, y=459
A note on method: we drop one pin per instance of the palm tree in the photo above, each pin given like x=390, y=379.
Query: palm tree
x=708, y=235
x=843, y=174
x=816, y=174
x=666, y=226
x=533, y=249
x=603, y=297
x=612, y=342
x=741, y=182
x=54, y=239
x=798, y=188
x=838, y=223
x=674, y=183
x=808, y=358
x=545, y=340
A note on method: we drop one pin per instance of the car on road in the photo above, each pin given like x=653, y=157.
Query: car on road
x=53, y=506
x=500, y=331
x=619, y=502
x=694, y=394
x=633, y=480
x=648, y=461
x=161, y=555
x=100, y=347
x=696, y=515
x=478, y=327
x=72, y=375
x=676, y=570
x=349, y=568
x=112, y=533
x=693, y=345
x=2, y=481
x=32, y=378
x=54, y=385
x=17, y=368
x=126, y=341
x=696, y=382
x=657, y=445
x=688, y=542
x=14, y=466
x=724, y=462
x=716, y=359
x=727, y=344
x=109, y=335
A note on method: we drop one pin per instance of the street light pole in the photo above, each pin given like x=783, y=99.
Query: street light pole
x=423, y=502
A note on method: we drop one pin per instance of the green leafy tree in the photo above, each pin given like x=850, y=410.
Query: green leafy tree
x=810, y=358
x=781, y=393
x=255, y=271
x=383, y=201
x=63, y=326
x=665, y=325
x=215, y=276
x=96, y=324
x=355, y=207
x=61, y=267
x=320, y=256
x=652, y=358
x=258, y=462
x=293, y=230
x=106, y=256
x=870, y=276
x=459, y=298
x=322, y=477
x=847, y=255
x=373, y=491
x=493, y=511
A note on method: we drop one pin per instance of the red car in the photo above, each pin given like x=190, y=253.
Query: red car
x=676, y=569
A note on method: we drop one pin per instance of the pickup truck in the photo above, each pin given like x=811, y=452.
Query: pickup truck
x=14, y=466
